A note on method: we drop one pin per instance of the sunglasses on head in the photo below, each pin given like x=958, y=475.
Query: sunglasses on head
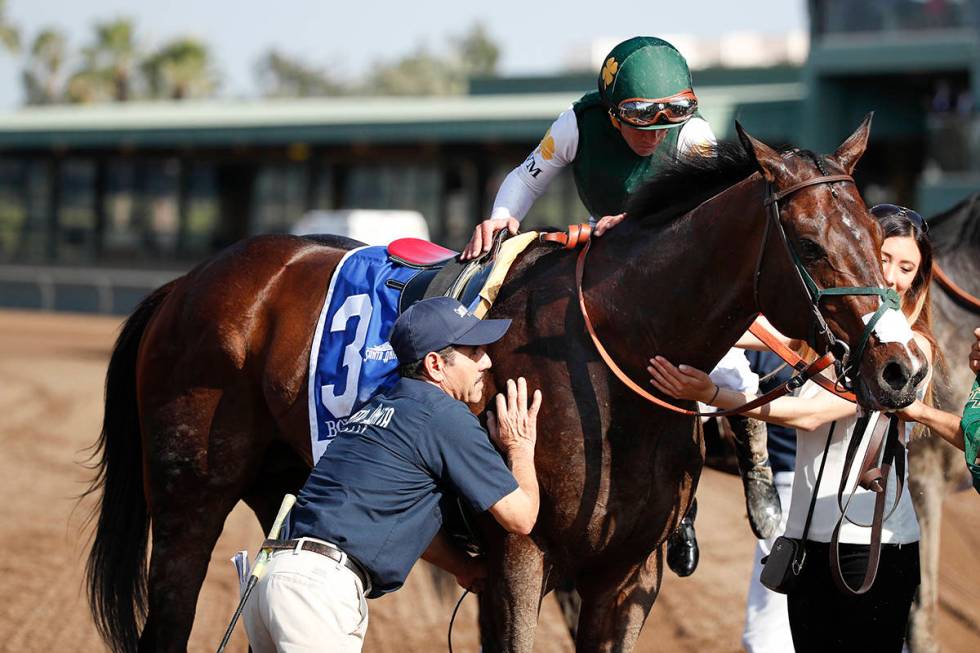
x=884, y=210
x=642, y=112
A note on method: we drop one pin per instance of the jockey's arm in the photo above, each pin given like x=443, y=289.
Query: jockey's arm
x=526, y=183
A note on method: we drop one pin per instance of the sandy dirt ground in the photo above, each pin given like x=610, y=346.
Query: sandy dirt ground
x=52, y=371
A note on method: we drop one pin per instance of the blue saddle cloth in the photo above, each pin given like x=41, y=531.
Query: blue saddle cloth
x=351, y=359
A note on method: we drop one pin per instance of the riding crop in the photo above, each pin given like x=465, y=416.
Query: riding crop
x=259, y=569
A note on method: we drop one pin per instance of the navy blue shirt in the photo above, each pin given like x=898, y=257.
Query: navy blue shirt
x=376, y=491
x=781, y=441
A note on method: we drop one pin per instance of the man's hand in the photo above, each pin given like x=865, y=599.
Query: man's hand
x=482, y=237
x=515, y=425
x=975, y=353
x=474, y=577
x=608, y=222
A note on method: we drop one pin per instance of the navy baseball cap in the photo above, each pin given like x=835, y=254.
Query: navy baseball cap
x=436, y=323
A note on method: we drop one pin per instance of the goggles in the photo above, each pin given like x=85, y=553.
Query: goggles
x=883, y=210
x=640, y=112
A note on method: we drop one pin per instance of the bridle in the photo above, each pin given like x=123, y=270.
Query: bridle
x=838, y=352
x=846, y=362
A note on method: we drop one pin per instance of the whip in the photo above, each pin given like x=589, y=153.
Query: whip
x=258, y=571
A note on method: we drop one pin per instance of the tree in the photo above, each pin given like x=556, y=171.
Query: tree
x=420, y=73
x=9, y=33
x=477, y=52
x=280, y=75
x=108, y=64
x=180, y=69
x=44, y=67
x=424, y=73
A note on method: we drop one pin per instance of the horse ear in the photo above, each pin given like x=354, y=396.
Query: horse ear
x=851, y=150
x=770, y=163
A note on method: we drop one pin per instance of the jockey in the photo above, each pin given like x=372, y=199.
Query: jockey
x=644, y=104
x=643, y=114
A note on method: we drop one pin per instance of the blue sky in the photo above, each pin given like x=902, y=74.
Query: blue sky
x=534, y=36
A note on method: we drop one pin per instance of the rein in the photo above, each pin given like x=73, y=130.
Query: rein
x=838, y=351
x=950, y=286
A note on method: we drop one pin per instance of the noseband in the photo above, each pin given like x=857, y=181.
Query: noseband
x=845, y=362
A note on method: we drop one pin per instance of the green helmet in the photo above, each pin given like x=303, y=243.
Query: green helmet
x=646, y=68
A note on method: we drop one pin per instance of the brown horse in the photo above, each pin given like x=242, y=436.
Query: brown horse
x=935, y=467
x=206, y=390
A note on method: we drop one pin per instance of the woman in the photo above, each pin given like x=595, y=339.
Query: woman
x=821, y=617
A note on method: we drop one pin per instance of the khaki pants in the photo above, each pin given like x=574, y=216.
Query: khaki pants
x=306, y=602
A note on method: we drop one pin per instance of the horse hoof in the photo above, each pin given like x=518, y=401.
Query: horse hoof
x=682, y=549
x=763, y=507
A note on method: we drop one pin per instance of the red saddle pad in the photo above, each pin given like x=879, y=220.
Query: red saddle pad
x=419, y=252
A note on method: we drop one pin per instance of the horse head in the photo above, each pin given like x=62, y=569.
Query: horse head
x=822, y=239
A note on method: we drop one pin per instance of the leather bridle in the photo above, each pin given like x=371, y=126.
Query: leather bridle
x=838, y=351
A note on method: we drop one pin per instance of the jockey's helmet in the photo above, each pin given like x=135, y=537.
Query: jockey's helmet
x=646, y=84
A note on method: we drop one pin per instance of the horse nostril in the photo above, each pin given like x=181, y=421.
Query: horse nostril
x=895, y=375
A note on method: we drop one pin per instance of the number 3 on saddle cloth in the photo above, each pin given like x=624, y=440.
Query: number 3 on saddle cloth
x=351, y=359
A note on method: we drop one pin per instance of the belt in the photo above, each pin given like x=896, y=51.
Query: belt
x=329, y=550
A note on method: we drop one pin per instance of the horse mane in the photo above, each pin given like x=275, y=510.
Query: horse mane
x=957, y=226
x=688, y=181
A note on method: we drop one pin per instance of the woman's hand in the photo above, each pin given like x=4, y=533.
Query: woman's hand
x=683, y=382
x=912, y=412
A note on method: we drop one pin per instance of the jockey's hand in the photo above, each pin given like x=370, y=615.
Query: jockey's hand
x=608, y=222
x=682, y=382
x=483, y=236
x=975, y=353
x=474, y=577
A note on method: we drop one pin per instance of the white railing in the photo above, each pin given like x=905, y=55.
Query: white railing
x=104, y=281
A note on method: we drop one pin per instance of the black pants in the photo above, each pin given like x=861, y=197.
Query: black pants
x=822, y=618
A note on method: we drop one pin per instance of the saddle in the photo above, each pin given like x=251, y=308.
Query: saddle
x=441, y=273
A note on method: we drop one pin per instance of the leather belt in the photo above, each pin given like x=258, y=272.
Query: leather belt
x=329, y=550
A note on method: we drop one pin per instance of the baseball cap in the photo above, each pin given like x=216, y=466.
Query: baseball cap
x=436, y=323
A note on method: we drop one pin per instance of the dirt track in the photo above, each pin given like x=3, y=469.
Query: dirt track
x=51, y=382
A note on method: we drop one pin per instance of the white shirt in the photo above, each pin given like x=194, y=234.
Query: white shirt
x=901, y=527
x=528, y=181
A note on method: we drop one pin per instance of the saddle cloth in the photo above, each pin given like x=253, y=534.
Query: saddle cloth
x=351, y=359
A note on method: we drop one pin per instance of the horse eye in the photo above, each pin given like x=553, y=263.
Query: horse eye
x=811, y=251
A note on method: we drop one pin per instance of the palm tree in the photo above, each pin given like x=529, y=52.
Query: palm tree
x=9, y=33
x=107, y=71
x=42, y=73
x=180, y=69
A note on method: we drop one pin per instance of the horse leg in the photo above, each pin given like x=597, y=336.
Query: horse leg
x=927, y=486
x=510, y=604
x=202, y=453
x=615, y=603
x=283, y=473
x=761, y=498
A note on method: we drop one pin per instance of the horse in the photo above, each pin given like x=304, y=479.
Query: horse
x=935, y=467
x=206, y=389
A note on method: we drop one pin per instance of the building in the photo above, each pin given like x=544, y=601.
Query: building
x=100, y=203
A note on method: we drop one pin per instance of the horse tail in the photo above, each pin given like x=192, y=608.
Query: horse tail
x=116, y=571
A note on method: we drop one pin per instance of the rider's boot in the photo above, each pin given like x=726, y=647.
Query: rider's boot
x=761, y=498
x=682, y=545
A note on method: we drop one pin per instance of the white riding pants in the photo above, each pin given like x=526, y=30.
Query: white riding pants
x=766, y=616
x=306, y=602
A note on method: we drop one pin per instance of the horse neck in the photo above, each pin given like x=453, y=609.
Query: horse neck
x=684, y=290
